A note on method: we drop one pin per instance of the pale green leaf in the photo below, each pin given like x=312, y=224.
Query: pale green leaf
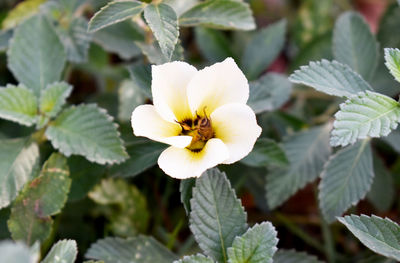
x=346, y=179
x=307, y=153
x=217, y=216
x=36, y=56
x=21, y=12
x=115, y=12
x=195, y=259
x=5, y=37
x=53, y=98
x=63, y=251
x=213, y=44
x=292, y=256
x=355, y=45
x=16, y=252
x=263, y=49
x=88, y=131
x=162, y=20
x=130, y=95
x=266, y=152
x=220, y=14
x=140, y=249
x=269, y=92
x=18, y=104
x=332, y=78
x=186, y=187
x=381, y=235
x=392, y=58
x=18, y=161
x=258, y=244
x=365, y=115
x=155, y=56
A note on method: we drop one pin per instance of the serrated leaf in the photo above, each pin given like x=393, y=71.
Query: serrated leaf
x=217, y=216
x=346, y=179
x=263, y=49
x=355, y=45
x=381, y=235
x=213, y=44
x=269, y=92
x=163, y=21
x=185, y=188
x=195, y=259
x=16, y=252
x=141, y=75
x=21, y=12
x=18, y=104
x=18, y=161
x=332, y=78
x=266, y=152
x=53, y=98
x=307, y=153
x=5, y=37
x=130, y=95
x=88, y=131
x=220, y=14
x=140, y=249
x=258, y=244
x=36, y=56
x=45, y=196
x=115, y=12
x=392, y=58
x=365, y=115
x=63, y=251
x=292, y=256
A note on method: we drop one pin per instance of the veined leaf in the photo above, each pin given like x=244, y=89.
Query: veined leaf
x=292, y=256
x=16, y=253
x=54, y=97
x=195, y=259
x=332, y=78
x=266, y=152
x=115, y=12
x=365, y=115
x=217, y=216
x=63, y=251
x=154, y=54
x=381, y=235
x=220, y=14
x=21, y=12
x=18, y=104
x=36, y=56
x=346, y=179
x=307, y=153
x=162, y=20
x=258, y=244
x=392, y=58
x=355, y=45
x=88, y=131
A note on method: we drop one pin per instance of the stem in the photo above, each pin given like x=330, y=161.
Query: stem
x=328, y=242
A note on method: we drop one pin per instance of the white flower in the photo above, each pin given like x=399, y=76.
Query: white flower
x=202, y=114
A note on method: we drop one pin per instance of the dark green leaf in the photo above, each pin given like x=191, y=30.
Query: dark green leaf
x=141, y=75
x=213, y=44
x=186, y=188
x=266, y=152
x=292, y=256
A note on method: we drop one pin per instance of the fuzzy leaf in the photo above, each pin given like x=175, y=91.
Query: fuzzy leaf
x=332, y=78
x=266, y=152
x=21, y=12
x=88, y=131
x=258, y=244
x=53, y=98
x=365, y=115
x=346, y=179
x=381, y=235
x=217, y=216
x=195, y=259
x=63, y=251
x=292, y=256
x=392, y=58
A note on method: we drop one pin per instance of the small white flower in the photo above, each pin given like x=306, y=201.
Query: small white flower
x=202, y=114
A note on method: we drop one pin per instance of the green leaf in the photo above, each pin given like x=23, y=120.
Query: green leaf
x=45, y=196
x=220, y=14
x=380, y=235
x=393, y=140
x=258, y=244
x=346, y=179
x=365, y=115
x=332, y=78
x=21, y=12
x=162, y=20
x=355, y=45
x=217, y=216
x=130, y=95
x=53, y=98
x=155, y=56
x=140, y=249
x=266, y=152
x=263, y=49
x=186, y=187
x=141, y=76
x=63, y=251
x=307, y=153
x=5, y=37
x=269, y=92
x=392, y=58
x=389, y=23
x=88, y=131
x=115, y=12
x=292, y=256
x=36, y=56
x=18, y=104
x=19, y=159
x=181, y=6
x=213, y=44
x=195, y=259
x=16, y=253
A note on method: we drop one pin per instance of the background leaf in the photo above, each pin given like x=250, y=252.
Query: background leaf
x=21, y=12
x=186, y=189
x=54, y=97
x=64, y=251
x=16, y=252
x=130, y=95
x=266, y=152
x=392, y=57
x=213, y=44
x=195, y=259
x=5, y=37
x=289, y=256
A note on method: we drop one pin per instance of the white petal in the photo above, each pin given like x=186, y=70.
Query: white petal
x=168, y=86
x=219, y=84
x=183, y=163
x=148, y=123
x=236, y=125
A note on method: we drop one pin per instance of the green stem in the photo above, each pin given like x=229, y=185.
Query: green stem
x=328, y=242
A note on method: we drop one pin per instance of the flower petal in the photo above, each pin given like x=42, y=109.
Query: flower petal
x=148, y=123
x=236, y=125
x=219, y=84
x=183, y=163
x=168, y=86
